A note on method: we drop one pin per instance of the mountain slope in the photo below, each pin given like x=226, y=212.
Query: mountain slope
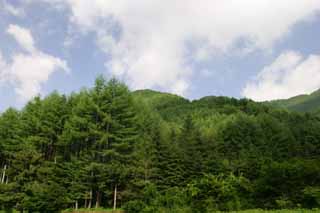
x=168, y=104
x=175, y=108
x=300, y=103
x=159, y=100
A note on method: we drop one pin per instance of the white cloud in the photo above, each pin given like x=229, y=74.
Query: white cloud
x=3, y=65
x=289, y=75
x=10, y=9
x=150, y=48
x=28, y=71
x=22, y=36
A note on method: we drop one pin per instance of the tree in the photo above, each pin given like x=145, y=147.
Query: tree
x=193, y=151
x=212, y=193
x=10, y=140
x=118, y=130
x=168, y=167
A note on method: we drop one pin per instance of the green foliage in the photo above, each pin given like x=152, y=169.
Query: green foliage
x=158, y=152
x=311, y=196
x=287, y=184
x=212, y=193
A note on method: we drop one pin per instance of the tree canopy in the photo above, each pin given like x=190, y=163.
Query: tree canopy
x=146, y=151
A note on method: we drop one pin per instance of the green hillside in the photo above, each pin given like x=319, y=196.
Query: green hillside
x=176, y=108
x=301, y=103
x=158, y=99
x=166, y=102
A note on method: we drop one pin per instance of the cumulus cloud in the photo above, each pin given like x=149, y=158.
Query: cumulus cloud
x=3, y=65
x=289, y=75
x=148, y=41
x=23, y=37
x=28, y=71
x=10, y=9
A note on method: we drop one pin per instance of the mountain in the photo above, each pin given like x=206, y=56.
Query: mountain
x=171, y=106
x=300, y=103
x=159, y=100
x=175, y=108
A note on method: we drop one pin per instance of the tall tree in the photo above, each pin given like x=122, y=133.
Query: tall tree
x=193, y=150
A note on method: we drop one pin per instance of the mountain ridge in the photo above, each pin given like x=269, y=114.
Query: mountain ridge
x=300, y=103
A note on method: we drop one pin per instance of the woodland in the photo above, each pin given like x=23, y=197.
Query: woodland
x=148, y=151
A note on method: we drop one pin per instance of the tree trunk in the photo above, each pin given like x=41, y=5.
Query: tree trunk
x=85, y=202
x=115, y=198
x=98, y=200
x=4, y=173
x=76, y=205
x=90, y=194
x=90, y=199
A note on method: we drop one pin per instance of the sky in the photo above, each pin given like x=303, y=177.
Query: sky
x=262, y=50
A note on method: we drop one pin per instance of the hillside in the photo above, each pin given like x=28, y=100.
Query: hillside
x=175, y=108
x=159, y=100
x=300, y=103
x=166, y=103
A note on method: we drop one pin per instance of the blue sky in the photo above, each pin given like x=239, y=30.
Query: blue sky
x=262, y=50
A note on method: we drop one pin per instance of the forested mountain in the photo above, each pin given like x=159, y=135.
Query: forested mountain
x=301, y=103
x=146, y=151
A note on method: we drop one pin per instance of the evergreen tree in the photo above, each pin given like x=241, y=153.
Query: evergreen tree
x=10, y=140
x=193, y=151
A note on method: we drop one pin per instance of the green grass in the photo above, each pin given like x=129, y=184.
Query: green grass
x=245, y=211
x=99, y=210
x=278, y=211
x=81, y=210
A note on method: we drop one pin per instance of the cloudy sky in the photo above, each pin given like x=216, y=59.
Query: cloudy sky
x=263, y=50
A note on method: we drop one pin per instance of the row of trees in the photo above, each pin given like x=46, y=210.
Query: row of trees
x=146, y=152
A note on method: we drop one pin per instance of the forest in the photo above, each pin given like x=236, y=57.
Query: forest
x=147, y=151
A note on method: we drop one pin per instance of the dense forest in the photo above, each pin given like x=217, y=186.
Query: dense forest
x=146, y=151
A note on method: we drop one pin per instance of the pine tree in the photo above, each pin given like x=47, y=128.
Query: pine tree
x=118, y=131
x=168, y=165
x=10, y=140
x=78, y=141
x=193, y=150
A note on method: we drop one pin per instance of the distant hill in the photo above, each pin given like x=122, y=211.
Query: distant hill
x=175, y=108
x=159, y=100
x=300, y=103
x=168, y=104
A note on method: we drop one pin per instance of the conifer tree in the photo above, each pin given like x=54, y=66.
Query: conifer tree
x=193, y=150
